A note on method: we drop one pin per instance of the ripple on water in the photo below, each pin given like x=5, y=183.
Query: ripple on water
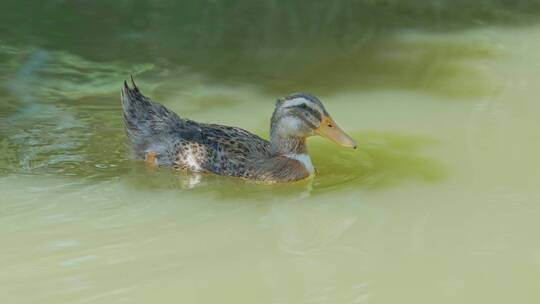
x=383, y=160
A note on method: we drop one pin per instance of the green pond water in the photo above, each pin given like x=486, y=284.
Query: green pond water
x=440, y=203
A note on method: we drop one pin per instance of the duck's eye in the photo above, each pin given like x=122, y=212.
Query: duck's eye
x=330, y=125
x=303, y=106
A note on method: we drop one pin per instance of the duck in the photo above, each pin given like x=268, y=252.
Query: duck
x=160, y=137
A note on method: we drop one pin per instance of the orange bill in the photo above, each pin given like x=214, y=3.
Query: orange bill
x=330, y=130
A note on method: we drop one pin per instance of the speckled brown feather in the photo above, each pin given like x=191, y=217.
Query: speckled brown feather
x=189, y=145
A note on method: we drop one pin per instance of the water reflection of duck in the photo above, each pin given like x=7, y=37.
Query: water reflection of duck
x=159, y=136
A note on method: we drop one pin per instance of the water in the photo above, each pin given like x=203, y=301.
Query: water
x=438, y=205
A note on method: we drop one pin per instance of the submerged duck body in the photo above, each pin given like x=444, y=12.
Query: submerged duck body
x=162, y=138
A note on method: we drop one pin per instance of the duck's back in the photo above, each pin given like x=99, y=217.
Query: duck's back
x=185, y=144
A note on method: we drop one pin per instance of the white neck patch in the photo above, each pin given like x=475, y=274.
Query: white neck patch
x=304, y=159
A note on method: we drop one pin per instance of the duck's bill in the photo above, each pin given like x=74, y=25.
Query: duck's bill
x=330, y=130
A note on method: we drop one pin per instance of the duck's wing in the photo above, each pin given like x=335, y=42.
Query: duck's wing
x=223, y=150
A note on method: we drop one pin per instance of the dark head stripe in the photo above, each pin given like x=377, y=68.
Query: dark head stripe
x=308, y=122
x=311, y=111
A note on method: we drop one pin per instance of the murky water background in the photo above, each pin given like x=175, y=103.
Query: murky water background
x=439, y=204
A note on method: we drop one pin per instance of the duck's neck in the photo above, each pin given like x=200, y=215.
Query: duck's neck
x=292, y=147
x=287, y=145
x=282, y=142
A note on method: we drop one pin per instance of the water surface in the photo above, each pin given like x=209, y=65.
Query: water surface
x=438, y=205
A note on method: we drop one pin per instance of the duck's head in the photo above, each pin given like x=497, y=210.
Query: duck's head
x=302, y=115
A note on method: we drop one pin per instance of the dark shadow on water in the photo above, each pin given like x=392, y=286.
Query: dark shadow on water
x=319, y=46
x=442, y=67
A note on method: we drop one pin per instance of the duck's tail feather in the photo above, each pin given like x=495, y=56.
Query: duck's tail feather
x=149, y=125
